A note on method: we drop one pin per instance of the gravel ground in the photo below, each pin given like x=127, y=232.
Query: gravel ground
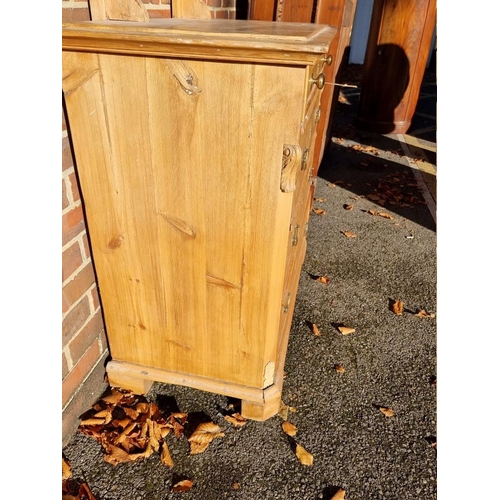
x=389, y=361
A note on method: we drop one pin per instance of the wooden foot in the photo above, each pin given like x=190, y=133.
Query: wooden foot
x=117, y=378
x=261, y=411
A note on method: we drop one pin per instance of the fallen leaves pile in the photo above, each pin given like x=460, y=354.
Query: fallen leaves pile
x=129, y=428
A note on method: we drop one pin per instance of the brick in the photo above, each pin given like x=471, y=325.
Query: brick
x=82, y=399
x=75, y=188
x=71, y=260
x=95, y=299
x=220, y=14
x=65, y=201
x=81, y=369
x=88, y=334
x=72, y=224
x=86, y=247
x=74, y=289
x=72, y=15
x=214, y=3
x=231, y=14
x=154, y=2
x=75, y=319
x=228, y=3
x=160, y=13
x=65, y=368
x=67, y=155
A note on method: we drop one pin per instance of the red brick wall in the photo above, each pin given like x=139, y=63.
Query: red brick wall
x=84, y=345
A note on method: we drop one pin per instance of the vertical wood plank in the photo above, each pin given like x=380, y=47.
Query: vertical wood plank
x=277, y=106
x=190, y=9
x=97, y=10
x=118, y=10
x=299, y=11
x=262, y=10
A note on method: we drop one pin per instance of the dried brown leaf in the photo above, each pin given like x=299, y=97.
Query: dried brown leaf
x=105, y=414
x=145, y=454
x=303, y=455
x=385, y=215
x=115, y=397
x=178, y=428
x=66, y=469
x=422, y=313
x=398, y=308
x=236, y=419
x=115, y=455
x=180, y=416
x=165, y=457
x=340, y=495
x=154, y=434
x=348, y=234
x=339, y=368
x=203, y=435
x=320, y=200
x=84, y=493
x=319, y=211
x=346, y=330
x=236, y=486
x=142, y=407
x=323, y=279
x=372, y=212
x=289, y=428
x=348, y=207
x=125, y=433
x=387, y=411
x=315, y=330
x=92, y=421
x=165, y=429
x=184, y=485
x=130, y=412
x=283, y=411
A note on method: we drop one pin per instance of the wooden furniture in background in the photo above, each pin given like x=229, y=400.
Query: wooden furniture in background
x=396, y=56
x=194, y=142
x=118, y=10
x=337, y=13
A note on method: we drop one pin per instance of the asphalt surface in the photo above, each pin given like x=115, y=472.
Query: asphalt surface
x=389, y=361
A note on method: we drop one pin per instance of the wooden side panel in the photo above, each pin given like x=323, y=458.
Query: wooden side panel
x=188, y=228
x=261, y=10
x=338, y=13
x=118, y=10
x=396, y=55
x=277, y=107
x=190, y=9
x=298, y=11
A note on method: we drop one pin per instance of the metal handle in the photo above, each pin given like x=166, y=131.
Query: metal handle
x=319, y=81
x=303, y=161
x=328, y=59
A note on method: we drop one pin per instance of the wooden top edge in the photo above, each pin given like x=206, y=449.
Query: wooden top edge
x=295, y=37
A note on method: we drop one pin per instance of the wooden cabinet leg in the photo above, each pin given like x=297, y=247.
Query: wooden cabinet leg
x=261, y=411
x=117, y=378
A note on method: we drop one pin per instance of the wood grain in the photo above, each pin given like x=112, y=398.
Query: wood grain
x=181, y=168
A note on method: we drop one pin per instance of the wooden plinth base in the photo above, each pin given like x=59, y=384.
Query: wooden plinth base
x=380, y=127
x=256, y=404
